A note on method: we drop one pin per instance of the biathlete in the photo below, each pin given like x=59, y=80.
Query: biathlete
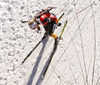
x=48, y=20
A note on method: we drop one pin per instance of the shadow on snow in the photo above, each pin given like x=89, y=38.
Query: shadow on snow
x=37, y=63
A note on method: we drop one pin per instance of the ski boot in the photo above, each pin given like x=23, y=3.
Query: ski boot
x=56, y=41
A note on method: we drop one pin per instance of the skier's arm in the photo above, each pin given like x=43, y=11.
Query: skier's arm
x=54, y=18
x=38, y=23
x=57, y=22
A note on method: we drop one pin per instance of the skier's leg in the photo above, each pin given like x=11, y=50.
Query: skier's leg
x=52, y=34
x=55, y=37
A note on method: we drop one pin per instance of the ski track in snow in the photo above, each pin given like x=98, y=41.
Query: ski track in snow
x=77, y=59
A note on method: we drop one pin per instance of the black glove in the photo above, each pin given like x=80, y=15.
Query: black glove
x=39, y=28
x=59, y=24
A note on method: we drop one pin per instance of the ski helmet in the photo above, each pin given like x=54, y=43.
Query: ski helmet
x=32, y=24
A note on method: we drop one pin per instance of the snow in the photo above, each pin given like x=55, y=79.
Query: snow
x=76, y=54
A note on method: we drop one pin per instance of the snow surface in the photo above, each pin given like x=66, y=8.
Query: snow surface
x=77, y=59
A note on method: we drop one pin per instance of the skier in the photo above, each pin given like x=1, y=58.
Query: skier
x=48, y=20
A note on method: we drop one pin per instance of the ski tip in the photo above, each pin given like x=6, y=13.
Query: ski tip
x=66, y=21
x=22, y=62
x=63, y=13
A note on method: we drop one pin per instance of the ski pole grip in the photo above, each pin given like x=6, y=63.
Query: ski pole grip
x=24, y=21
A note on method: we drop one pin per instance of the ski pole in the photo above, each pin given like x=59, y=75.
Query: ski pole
x=23, y=21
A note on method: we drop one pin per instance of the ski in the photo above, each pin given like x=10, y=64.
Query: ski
x=38, y=42
x=61, y=16
x=53, y=52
